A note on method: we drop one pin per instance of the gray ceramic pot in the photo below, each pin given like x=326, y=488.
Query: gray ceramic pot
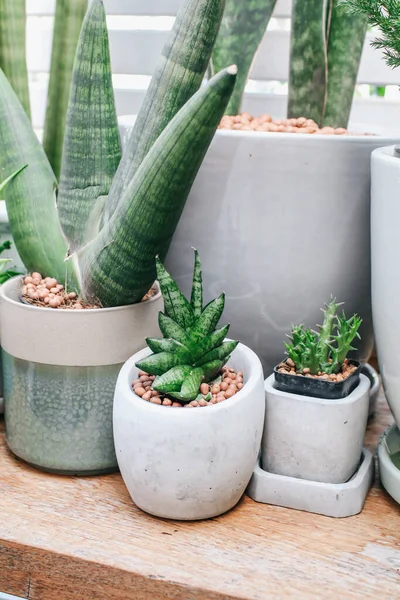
x=60, y=368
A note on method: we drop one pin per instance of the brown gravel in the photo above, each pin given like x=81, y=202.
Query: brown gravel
x=231, y=383
x=347, y=369
x=246, y=122
x=48, y=293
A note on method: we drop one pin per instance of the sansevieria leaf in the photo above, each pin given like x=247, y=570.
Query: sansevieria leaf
x=176, y=305
x=177, y=77
x=12, y=48
x=197, y=287
x=92, y=151
x=67, y=26
x=30, y=197
x=118, y=266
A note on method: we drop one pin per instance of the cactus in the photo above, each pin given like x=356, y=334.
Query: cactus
x=325, y=52
x=242, y=29
x=323, y=351
x=109, y=257
x=192, y=350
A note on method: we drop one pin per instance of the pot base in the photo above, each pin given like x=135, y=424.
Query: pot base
x=389, y=461
x=329, y=499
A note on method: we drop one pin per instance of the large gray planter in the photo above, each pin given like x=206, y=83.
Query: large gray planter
x=281, y=222
x=60, y=369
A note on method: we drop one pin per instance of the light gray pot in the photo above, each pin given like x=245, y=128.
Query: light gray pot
x=60, y=369
x=312, y=438
x=281, y=222
x=189, y=464
x=385, y=248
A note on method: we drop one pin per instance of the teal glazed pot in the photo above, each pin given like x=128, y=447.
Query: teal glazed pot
x=60, y=368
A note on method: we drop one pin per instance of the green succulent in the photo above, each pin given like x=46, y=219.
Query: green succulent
x=192, y=350
x=326, y=350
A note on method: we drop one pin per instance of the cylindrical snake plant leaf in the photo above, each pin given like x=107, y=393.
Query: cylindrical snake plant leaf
x=12, y=48
x=345, y=45
x=30, y=197
x=308, y=59
x=118, y=266
x=177, y=77
x=92, y=150
x=242, y=29
x=67, y=25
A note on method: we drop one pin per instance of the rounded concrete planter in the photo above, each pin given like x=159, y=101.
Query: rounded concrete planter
x=189, y=464
x=385, y=257
x=389, y=461
x=281, y=222
x=60, y=370
x=312, y=438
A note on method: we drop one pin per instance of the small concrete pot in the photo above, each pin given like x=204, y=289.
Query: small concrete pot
x=189, y=464
x=312, y=438
x=60, y=368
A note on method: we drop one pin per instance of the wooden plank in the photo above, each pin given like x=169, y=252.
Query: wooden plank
x=71, y=538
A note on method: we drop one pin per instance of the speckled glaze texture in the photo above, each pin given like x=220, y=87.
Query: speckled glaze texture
x=60, y=418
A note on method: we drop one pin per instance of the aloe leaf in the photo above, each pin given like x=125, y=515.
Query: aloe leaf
x=308, y=59
x=191, y=384
x=220, y=353
x=172, y=380
x=166, y=345
x=243, y=27
x=157, y=364
x=118, y=266
x=197, y=287
x=208, y=320
x=209, y=342
x=178, y=75
x=91, y=151
x=12, y=48
x=30, y=197
x=176, y=305
x=346, y=42
x=211, y=369
x=170, y=329
x=67, y=25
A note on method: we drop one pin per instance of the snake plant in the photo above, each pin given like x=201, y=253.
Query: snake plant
x=326, y=46
x=101, y=227
x=192, y=350
x=326, y=350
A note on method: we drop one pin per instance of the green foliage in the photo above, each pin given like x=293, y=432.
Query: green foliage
x=112, y=216
x=326, y=350
x=192, y=350
x=384, y=14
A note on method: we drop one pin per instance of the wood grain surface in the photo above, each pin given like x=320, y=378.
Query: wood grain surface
x=69, y=538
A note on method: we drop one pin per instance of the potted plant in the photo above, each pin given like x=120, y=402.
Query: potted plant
x=385, y=218
x=255, y=187
x=89, y=242
x=188, y=464
x=316, y=414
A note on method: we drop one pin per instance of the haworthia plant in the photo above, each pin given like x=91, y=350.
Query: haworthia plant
x=67, y=25
x=112, y=260
x=192, y=350
x=242, y=29
x=326, y=46
x=178, y=75
x=12, y=48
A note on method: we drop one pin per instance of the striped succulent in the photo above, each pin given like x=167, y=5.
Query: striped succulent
x=100, y=228
x=192, y=350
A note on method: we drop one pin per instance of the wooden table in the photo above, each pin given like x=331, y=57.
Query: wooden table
x=66, y=538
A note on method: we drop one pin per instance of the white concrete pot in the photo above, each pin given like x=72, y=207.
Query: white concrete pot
x=60, y=368
x=385, y=249
x=189, y=464
x=281, y=222
x=312, y=438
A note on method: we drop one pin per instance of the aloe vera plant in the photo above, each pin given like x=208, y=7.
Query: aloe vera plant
x=192, y=350
x=66, y=231
x=326, y=350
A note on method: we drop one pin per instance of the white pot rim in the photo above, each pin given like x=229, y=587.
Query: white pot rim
x=5, y=297
x=386, y=154
x=125, y=378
